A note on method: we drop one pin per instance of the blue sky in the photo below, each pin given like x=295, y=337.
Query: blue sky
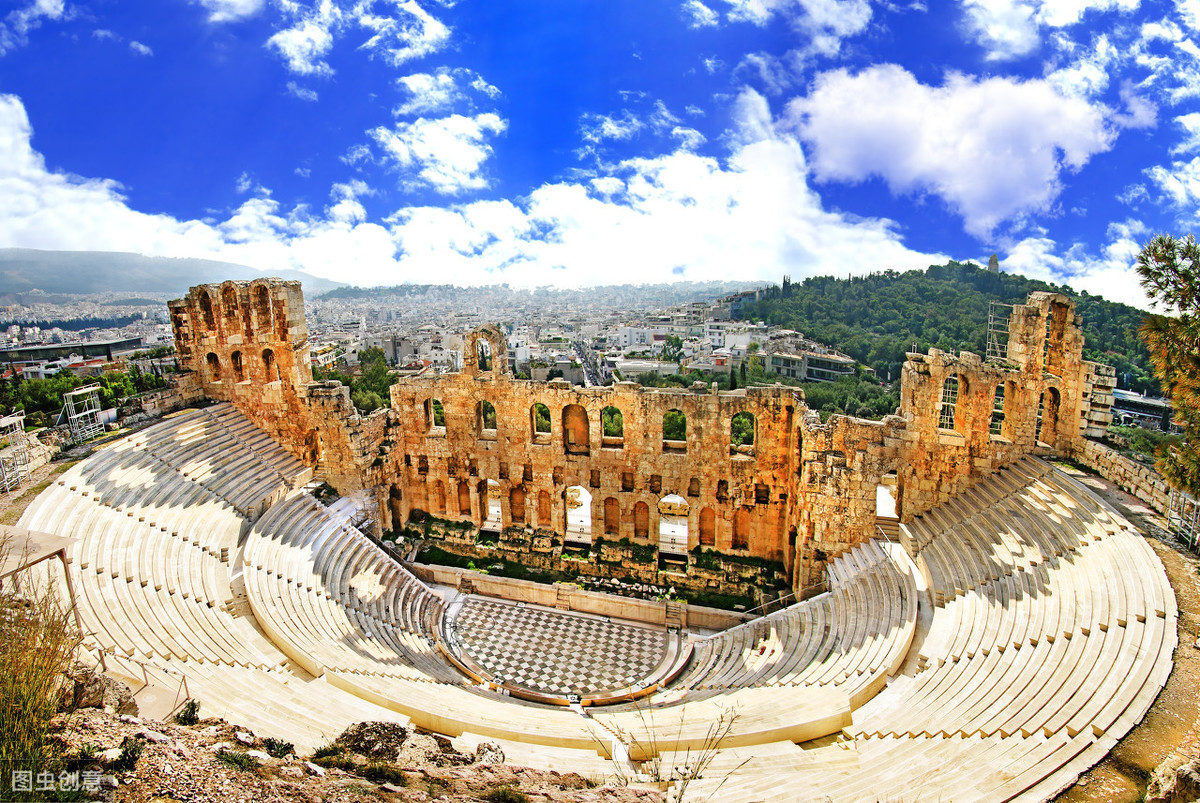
x=604, y=141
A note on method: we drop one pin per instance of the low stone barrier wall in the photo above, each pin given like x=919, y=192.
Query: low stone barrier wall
x=594, y=602
x=1130, y=476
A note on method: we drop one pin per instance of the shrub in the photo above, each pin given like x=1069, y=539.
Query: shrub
x=236, y=758
x=277, y=748
x=189, y=714
x=37, y=641
x=131, y=751
x=382, y=772
x=326, y=750
x=337, y=761
x=505, y=794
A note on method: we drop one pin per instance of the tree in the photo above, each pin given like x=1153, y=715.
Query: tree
x=672, y=348
x=1170, y=274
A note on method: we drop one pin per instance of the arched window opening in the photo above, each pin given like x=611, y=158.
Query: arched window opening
x=613, y=426
x=483, y=350
x=641, y=520
x=1047, y=419
x=439, y=497
x=742, y=435
x=486, y=415
x=996, y=427
x=612, y=516
x=1052, y=346
x=543, y=511
x=464, y=499
x=674, y=426
x=576, y=439
x=708, y=527
x=270, y=367
x=206, y=309
x=539, y=419
x=229, y=301
x=673, y=525
x=262, y=306
x=214, y=367
x=239, y=373
x=741, y=529
x=492, y=491
x=516, y=505
x=949, y=402
x=578, y=502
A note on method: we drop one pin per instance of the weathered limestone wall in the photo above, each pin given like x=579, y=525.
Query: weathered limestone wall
x=1048, y=394
x=1130, y=476
x=1098, y=385
x=247, y=343
x=843, y=461
x=803, y=493
x=738, y=500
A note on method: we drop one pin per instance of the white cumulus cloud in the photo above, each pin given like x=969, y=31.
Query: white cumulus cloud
x=1179, y=183
x=1012, y=28
x=18, y=23
x=645, y=220
x=140, y=49
x=440, y=91
x=700, y=15
x=446, y=154
x=993, y=149
x=822, y=24
x=228, y=10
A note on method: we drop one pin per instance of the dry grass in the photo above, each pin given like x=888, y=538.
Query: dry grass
x=37, y=641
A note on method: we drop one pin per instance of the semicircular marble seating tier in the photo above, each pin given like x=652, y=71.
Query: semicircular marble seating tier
x=1013, y=635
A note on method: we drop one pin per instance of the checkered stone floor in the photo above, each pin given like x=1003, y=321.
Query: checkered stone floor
x=554, y=651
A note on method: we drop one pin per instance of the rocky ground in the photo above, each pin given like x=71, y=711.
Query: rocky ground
x=131, y=761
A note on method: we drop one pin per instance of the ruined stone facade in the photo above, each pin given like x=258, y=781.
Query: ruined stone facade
x=532, y=462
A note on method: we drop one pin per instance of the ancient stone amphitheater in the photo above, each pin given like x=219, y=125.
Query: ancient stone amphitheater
x=1010, y=634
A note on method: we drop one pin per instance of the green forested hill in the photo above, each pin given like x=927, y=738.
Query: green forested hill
x=877, y=318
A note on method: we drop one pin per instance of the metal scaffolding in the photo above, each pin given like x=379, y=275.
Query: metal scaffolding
x=1183, y=517
x=997, y=331
x=14, y=452
x=81, y=408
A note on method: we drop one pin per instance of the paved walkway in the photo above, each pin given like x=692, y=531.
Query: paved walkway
x=554, y=651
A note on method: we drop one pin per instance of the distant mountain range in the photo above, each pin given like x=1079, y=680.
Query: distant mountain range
x=54, y=272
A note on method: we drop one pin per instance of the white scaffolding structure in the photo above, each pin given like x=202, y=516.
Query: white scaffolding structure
x=14, y=452
x=81, y=408
x=997, y=331
x=1183, y=517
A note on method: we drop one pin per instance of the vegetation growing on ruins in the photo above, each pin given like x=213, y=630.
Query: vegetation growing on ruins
x=1140, y=441
x=42, y=399
x=877, y=318
x=613, y=422
x=1170, y=273
x=37, y=640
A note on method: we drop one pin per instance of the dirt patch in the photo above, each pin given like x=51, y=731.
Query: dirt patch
x=1124, y=773
x=12, y=505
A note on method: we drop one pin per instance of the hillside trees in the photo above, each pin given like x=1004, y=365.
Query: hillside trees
x=876, y=319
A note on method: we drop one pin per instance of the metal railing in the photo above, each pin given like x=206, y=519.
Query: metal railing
x=145, y=667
